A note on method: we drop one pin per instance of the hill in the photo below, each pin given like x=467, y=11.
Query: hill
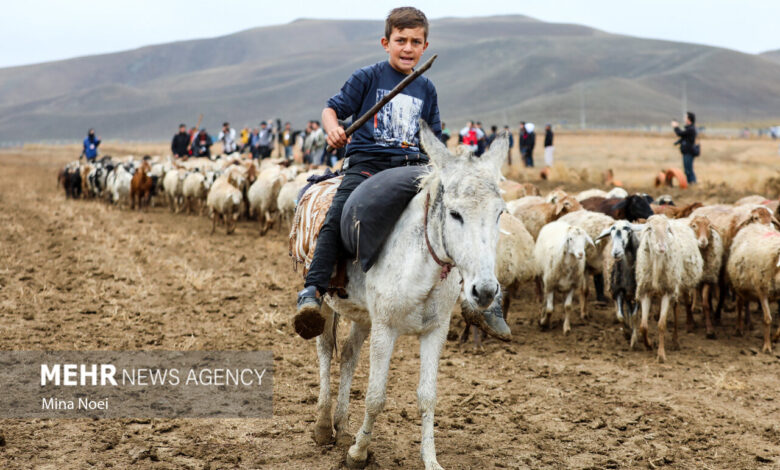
x=496, y=69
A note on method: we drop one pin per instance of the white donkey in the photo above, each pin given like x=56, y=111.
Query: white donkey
x=451, y=223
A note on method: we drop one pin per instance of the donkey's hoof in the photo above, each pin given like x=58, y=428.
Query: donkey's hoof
x=357, y=464
x=323, y=435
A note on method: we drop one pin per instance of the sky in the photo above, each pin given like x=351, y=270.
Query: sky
x=44, y=30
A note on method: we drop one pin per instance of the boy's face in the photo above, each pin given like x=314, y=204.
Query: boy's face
x=405, y=48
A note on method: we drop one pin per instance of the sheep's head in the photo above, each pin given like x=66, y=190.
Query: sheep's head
x=566, y=204
x=659, y=232
x=577, y=240
x=623, y=235
x=702, y=228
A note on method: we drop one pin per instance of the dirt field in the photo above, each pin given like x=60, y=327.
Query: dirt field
x=78, y=275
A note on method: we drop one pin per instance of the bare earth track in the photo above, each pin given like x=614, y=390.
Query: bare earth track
x=78, y=275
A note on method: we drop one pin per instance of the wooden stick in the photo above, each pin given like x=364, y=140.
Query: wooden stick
x=200, y=119
x=386, y=99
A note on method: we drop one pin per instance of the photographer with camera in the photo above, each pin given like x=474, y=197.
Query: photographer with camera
x=688, y=146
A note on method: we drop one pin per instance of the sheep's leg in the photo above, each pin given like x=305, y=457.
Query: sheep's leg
x=583, y=299
x=740, y=328
x=323, y=428
x=476, y=333
x=382, y=343
x=506, y=300
x=619, y=306
x=767, y=324
x=748, y=319
x=430, y=351
x=662, y=327
x=690, y=324
x=643, y=325
x=547, y=310
x=566, y=311
x=350, y=353
x=213, y=222
x=675, y=338
x=722, y=294
x=706, y=307
x=539, y=289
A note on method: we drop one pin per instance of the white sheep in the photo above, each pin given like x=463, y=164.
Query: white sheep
x=588, y=193
x=669, y=265
x=119, y=185
x=225, y=199
x=195, y=188
x=616, y=192
x=262, y=196
x=560, y=258
x=173, y=183
x=753, y=268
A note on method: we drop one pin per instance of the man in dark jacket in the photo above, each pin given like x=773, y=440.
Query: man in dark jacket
x=548, y=145
x=527, y=143
x=687, y=139
x=180, y=142
x=202, y=145
x=511, y=144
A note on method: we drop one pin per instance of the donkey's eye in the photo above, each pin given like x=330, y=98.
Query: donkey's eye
x=455, y=215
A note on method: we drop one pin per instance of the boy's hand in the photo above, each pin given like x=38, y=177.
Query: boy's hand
x=337, y=138
x=675, y=124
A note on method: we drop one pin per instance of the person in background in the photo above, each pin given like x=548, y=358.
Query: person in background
x=315, y=143
x=181, y=142
x=445, y=133
x=228, y=138
x=91, y=144
x=527, y=143
x=687, y=139
x=202, y=145
x=254, y=139
x=548, y=145
x=193, y=134
x=265, y=140
x=511, y=144
x=492, y=136
x=470, y=135
x=481, y=141
x=286, y=140
x=244, y=140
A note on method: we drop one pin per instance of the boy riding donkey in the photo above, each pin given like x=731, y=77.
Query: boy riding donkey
x=390, y=139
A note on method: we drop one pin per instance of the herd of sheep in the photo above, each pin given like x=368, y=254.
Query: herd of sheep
x=636, y=249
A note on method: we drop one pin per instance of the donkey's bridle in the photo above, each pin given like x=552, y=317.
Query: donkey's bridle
x=445, y=267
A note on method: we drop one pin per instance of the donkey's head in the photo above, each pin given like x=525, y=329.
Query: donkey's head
x=465, y=206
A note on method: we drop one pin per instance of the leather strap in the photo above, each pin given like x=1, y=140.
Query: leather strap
x=445, y=267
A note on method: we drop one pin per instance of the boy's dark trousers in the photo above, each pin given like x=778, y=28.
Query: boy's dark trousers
x=329, y=248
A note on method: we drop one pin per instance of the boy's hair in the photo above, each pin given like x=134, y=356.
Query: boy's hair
x=405, y=17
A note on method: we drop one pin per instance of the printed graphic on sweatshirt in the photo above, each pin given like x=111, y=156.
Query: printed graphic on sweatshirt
x=396, y=124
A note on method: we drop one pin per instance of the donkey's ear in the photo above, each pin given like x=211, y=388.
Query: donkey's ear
x=496, y=155
x=434, y=147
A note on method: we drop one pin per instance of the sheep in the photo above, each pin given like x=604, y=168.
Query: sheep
x=514, y=265
x=668, y=264
x=263, y=194
x=711, y=249
x=594, y=223
x=534, y=212
x=620, y=268
x=174, y=185
x=675, y=212
x=141, y=186
x=559, y=255
x=754, y=199
x=119, y=185
x=665, y=200
x=224, y=200
x=753, y=269
x=556, y=194
x=195, y=188
x=589, y=193
x=631, y=208
x=617, y=192
x=511, y=190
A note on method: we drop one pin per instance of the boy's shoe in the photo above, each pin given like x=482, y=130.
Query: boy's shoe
x=308, y=322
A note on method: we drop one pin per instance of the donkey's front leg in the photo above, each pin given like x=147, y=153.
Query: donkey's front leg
x=350, y=353
x=323, y=428
x=382, y=343
x=430, y=351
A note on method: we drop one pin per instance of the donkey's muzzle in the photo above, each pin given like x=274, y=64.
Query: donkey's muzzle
x=484, y=293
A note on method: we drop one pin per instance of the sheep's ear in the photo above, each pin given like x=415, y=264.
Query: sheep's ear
x=590, y=240
x=435, y=149
x=604, y=233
